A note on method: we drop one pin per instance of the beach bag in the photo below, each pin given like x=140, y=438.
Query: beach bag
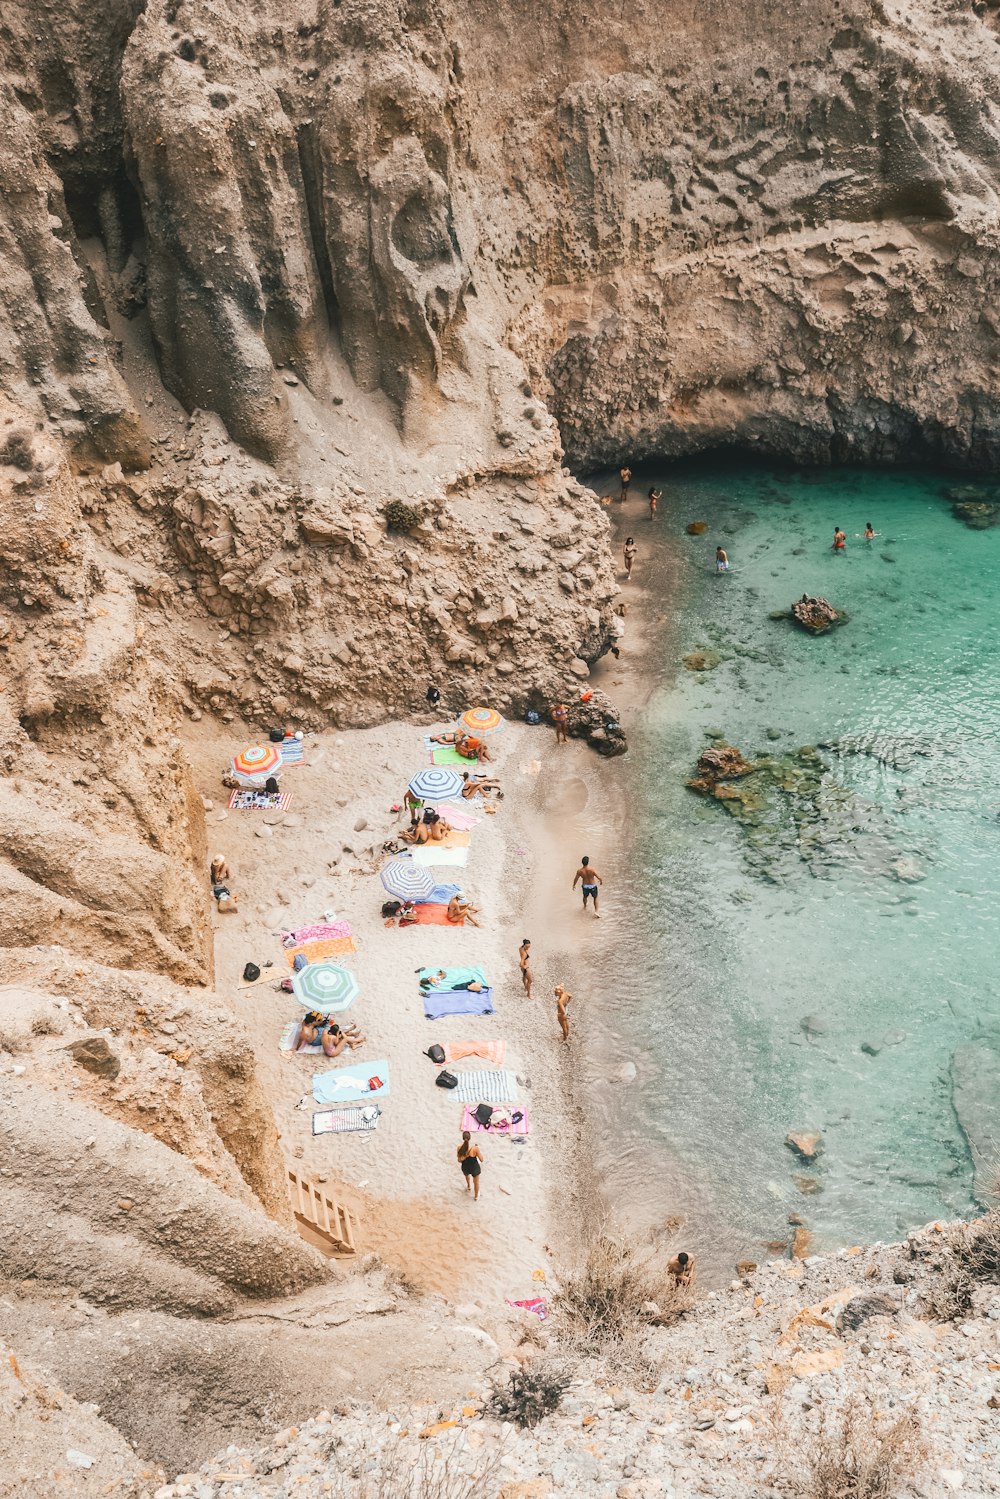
x=251, y=973
x=483, y=1113
x=374, y=1083
x=287, y=986
x=300, y=961
x=436, y=1054
x=276, y=735
x=446, y=1079
x=532, y=716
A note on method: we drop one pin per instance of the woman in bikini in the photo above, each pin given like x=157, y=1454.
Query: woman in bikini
x=630, y=551
x=470, y=1158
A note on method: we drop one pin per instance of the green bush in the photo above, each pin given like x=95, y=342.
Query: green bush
x=401, y=517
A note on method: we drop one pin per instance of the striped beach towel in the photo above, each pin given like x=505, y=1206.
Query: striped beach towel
x=260, y=801
x=291, y=750
x=346, y=1121
x=486, y=1087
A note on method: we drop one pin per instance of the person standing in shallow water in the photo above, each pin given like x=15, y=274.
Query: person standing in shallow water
x=625, y=475
x=591, y=879
x=839, y=539
x=470, y=1158
x=869, y=531
x=721, y=560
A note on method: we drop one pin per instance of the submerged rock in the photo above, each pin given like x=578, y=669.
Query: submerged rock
x=719, y=762
x=815, y=1025
x=701, y=660
x=805, y=1143
x=976, y=506
x=975, y=1093
x=697, y=527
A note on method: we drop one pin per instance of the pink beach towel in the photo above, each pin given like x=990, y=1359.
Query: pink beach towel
x=323, y=932
x=502, y=1127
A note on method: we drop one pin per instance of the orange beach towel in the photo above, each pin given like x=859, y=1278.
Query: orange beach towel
x=493, y=1051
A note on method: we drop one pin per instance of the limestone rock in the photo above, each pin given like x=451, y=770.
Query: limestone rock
x=807, y=1144
x=94, y=1054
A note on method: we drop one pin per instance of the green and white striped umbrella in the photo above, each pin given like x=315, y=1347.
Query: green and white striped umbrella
x=326, y=987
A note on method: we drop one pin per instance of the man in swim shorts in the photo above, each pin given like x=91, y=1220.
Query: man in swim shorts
x=721, y=560
x=591, y=879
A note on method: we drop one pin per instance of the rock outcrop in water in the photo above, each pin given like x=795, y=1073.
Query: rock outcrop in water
x=814, y=614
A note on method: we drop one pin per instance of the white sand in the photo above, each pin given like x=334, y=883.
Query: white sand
x=403, y=1180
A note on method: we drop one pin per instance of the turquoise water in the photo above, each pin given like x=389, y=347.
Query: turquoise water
x=872, y=913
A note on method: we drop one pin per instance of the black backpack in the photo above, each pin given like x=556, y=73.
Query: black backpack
x=484, y=1113
x=251, y=973
x=446, y=1079
x=436, y=1054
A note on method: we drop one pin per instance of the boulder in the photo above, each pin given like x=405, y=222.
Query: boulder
x=814, y=614
x=854, y=1313
x=701, y=660
x=719, y=762
x=597, y=722
x=697, y=527
x=94, y=1053
x=807, y=1144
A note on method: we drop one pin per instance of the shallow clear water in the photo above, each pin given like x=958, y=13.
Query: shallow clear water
x=750, y=930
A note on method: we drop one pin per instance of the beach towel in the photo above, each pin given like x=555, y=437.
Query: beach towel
x=439, y=896
x=267, y=976
x=346, y=1121
x=458, y=816
x=350, y=1084
x=428, y=914
x=447, y=754
x=493, y=1051
x=260, y=801
x=536, y=1304
x=502, y=1126
x=291, y=750
x=289, y=1040
x=453, y=977
x=486, y=1087
x=439, y=855
x=318, y=952
x=438, y=1002
x=322, y=931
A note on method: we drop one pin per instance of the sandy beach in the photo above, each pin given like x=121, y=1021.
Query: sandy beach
x=402, y=1180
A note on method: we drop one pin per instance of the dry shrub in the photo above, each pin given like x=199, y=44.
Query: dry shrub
x=949, y=1297
x=401, y=517
x=531, y=1393
x=977, y=1247
x=16, y=450
x=607, y=1306
x=434, y=1473
x=858, y=1455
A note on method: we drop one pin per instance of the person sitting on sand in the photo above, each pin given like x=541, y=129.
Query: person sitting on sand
x=473, y=784
x=225, y=900
x=312, y=1028
x=335, y=1040
x=681, y=1267
x=219, y=870
x=439, y=826
x=419, y=833
x=471, y=748
x=459, y=909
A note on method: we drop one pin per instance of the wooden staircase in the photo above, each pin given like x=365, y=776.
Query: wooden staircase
x=321, y=1220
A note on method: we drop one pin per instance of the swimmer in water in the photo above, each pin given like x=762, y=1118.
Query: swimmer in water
x=869, y=531
x=721, y=560
x=839, y=539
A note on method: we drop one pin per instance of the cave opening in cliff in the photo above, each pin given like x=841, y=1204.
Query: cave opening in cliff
x=107, y=209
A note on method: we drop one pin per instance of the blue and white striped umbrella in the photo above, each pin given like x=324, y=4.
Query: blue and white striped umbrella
x=326, y=987
x=406, y=880
x=436, y=783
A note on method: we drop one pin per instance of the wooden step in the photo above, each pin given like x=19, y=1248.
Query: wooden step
x=321, y=1220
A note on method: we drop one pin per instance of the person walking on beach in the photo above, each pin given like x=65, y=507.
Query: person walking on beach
x=591, y=879
x=839, y=539
x=563, y=998
x=524, y=957
x=559, y=713
x=470, y=1158
x=630, y=550
x=625, y=475
x=655, y=495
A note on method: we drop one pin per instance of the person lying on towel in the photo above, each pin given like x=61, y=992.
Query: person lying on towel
x=439, y=979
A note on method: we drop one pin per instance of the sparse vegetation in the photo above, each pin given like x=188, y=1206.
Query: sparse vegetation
x=949, y=1297
x=16, y=450
x=977, y=1247
x=531, y=1393
x=857, y=1455
x=437, y=1474
x=401, y=517
x=607, y=1306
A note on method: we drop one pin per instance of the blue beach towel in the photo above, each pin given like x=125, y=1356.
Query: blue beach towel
x=453, y=977
x=350, y=1084
x=438, y=1002
x=439, y=896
